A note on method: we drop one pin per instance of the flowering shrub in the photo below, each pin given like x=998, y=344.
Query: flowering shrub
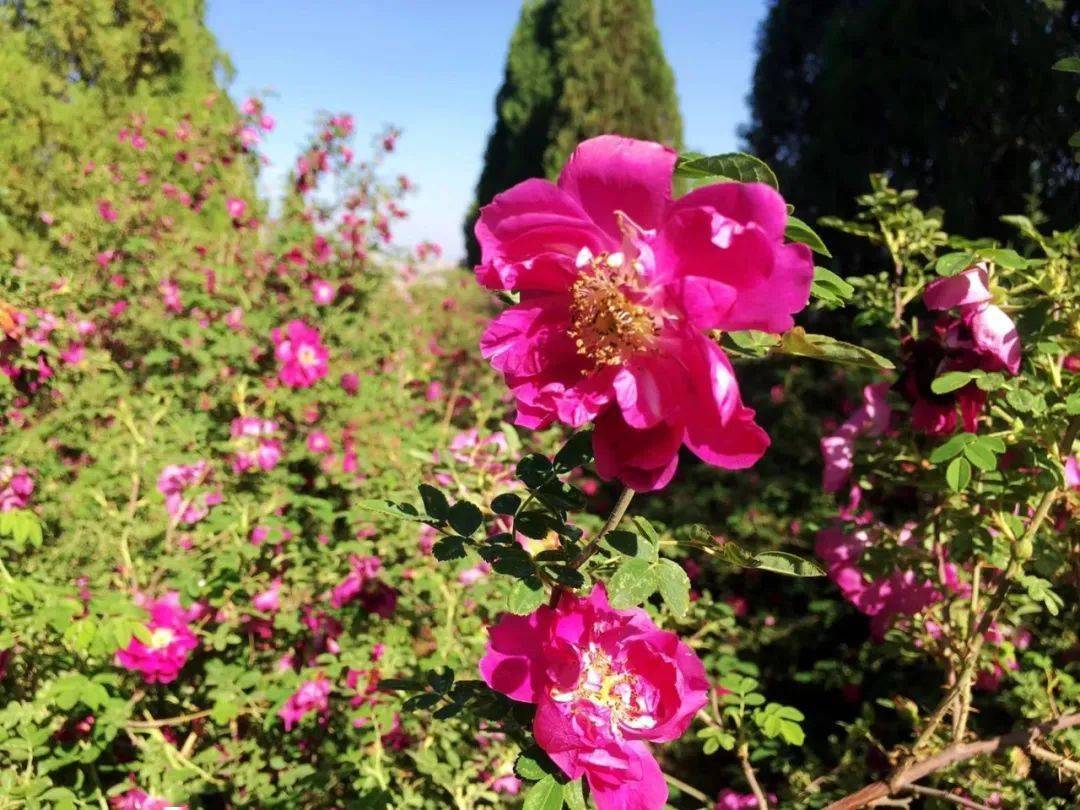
x=272, y=537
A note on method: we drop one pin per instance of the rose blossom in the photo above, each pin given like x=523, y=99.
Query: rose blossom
x=171, y=641
x=136, y=799
x=175, y=482
x=255, y=444
x=982, y=338
x=300, y=352
x=16, y=487
x=236, y=207
x=322, y=292
x=619, y=287
x=312, y=696
x=838, y=449
x=605, y=681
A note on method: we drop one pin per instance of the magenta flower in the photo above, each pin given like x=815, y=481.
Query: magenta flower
x=605, y=682
x=236, y=207
x=300, y=353
x=255, y=442
x=312, y=696
x=363, y=582
x=136, y=799
x=1072, y=473
x=619, y=286
x=838, y=449
x=16, y=487
x=268, y=601
x=171, y=641
x=322, y=292
x=989, y=331
x=182, y=485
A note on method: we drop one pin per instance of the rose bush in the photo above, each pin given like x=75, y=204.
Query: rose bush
x=288, y=523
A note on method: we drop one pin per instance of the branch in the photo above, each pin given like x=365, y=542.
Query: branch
x=945, y=796
x=612, y=522
x=751, y=778
x=1023, y=738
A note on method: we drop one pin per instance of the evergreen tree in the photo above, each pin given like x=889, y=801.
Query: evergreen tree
x=957, y=100
x=575, y=69
x=72, y=72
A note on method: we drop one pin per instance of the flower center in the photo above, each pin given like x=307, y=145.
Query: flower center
x=605, y=687
x=306, y=356
x=162, y=637
x=607, y=324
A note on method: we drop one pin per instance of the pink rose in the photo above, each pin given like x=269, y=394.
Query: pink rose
x=606, y=682
x=171, y=641
x=619, y=286
x=302, y=357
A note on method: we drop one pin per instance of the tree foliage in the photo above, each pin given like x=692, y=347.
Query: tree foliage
x=956, y=99
x=575, y=70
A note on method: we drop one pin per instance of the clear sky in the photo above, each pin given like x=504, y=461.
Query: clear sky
x=432, y=67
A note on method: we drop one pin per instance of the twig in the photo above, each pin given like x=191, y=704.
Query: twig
x=945, y=796
x=1057, y=760
x=689, y=790
x=950, y=756
x=751, y=777
x=612, y=522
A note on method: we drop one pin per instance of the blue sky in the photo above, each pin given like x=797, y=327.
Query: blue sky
x=432, y=67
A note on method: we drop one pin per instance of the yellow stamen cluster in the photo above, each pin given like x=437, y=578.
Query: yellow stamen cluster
x=607, y=326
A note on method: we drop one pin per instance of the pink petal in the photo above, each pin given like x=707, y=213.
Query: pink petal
x=650, y=389
x=643, y=460
x=611, y=173
x=720, y=430
x=995, y=334
x=514, y=662
x=742, y=202
x=968, y=287
x=532, y=218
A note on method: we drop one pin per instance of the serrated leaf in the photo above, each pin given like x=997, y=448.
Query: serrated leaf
x=783, y=562
x=980, y=456
x=526, y=595
x=633, y=582
x=952, y=263
x=737, y=166
x=435, y=503
x=951, y=381
x=953, y=447
x=465, y=518
x=674, y=586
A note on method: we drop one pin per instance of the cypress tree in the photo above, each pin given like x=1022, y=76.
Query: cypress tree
x=575, y=69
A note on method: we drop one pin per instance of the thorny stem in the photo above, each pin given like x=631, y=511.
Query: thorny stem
x=1024, y=738
x=751, y=777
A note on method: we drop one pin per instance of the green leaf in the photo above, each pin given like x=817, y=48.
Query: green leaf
x=449, y=548
x=505, y=504
x=981, y=456
x=534, y=470
x=435, y=503
x=465, y=518
x=821, y=347
x=633, y=582
x=528, y=767
x=547, y=794
x=526, y=595
x=674, y=586
x=952, y=263
x=799, y=231
x=783, y=562
x=951, y=381
x=958, y=474
x=403, y=511
x=575, y=453
x=953, y=447
x=738, y=166
x=1070, y=64
x=830, y=287
x=1072, y=405
x=574, y=795
x=1006, y=258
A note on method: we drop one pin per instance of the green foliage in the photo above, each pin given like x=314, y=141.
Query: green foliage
x=575, y=69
